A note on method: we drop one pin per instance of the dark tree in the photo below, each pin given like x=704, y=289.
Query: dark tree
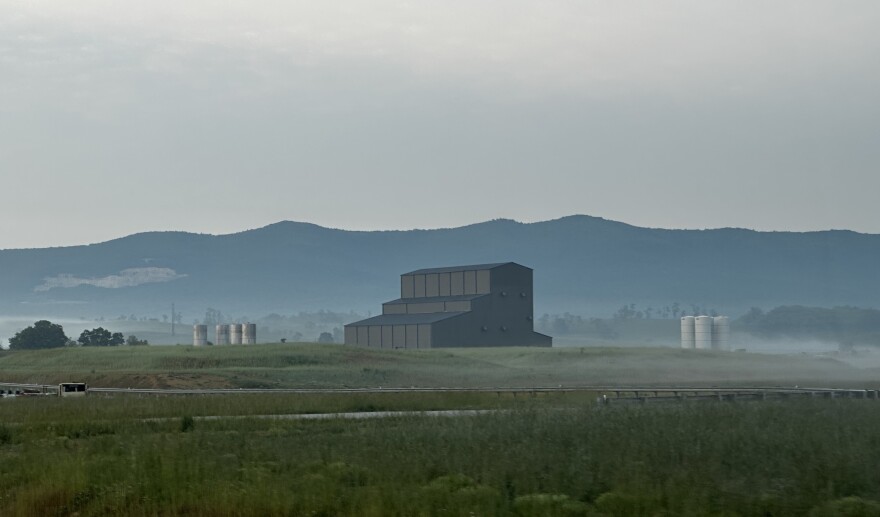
x=212, y=317
x=43, y=334
x=134, y=341
x=100, y=337
x=325, y=337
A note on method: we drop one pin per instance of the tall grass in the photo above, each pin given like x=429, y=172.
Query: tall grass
x=690, y=459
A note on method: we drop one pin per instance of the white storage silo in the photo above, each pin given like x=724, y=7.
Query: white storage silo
x=249, y=334
x=235, y=334
x=721, y=333
x=222, y=335
x=688, y=337
x=703, y=332
x=200, y=335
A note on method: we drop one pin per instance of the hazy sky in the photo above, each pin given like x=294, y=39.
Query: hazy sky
x=118, y=117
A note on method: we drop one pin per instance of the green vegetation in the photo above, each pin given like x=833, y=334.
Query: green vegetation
x=155, y=456
x=100, y=337
x=134, y=341
x=333, y=366
x=42, y=334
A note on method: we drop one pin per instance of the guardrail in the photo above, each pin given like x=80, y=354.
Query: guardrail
x=27, y=389
x=605, y=393
x=728, y=394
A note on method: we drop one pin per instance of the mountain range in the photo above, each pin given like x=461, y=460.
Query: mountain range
x=582, y=264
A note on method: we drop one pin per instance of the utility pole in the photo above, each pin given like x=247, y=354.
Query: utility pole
x=173, y=317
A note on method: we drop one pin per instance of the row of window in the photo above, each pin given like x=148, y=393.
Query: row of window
x=425, y=308
x=445, y=284
x=389, y=336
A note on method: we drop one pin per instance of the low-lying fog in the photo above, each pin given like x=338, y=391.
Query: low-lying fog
x=860, y=357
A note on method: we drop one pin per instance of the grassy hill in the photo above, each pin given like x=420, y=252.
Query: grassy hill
x=332, y=366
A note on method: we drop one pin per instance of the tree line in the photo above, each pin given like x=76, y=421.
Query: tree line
x=845, y=325
x=45, y=334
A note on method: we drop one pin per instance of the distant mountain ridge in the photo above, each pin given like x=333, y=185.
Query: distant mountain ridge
x=582, y=264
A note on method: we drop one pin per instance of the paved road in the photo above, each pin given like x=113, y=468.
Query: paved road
x=343, y=416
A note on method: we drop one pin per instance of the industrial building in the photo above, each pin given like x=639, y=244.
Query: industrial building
x=461, y=306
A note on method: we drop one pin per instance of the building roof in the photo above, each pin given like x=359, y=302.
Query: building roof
x=405, y=319
x=454, y=269
x=435, y=299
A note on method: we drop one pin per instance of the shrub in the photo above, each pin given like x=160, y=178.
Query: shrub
x=616, y=503
x=847, y=507
x=551, y=505
x=5, y=435
x=187, y=424
x=457, y=494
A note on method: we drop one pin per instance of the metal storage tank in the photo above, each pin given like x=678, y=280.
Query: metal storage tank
x=688, y=336
x=721, y=333
x=200, y=335
x=249, y=334
x=222, y=335
x=235, y=334
x=703, y=332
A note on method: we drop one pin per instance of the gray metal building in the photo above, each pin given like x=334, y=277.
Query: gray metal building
x=461, y=306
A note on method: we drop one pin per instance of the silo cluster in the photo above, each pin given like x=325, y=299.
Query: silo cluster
x=249, y=334
x=721, y=333
x=233, y=334
x=222, y=335
x=687, y=332
x=705, y=332
x=200, y=335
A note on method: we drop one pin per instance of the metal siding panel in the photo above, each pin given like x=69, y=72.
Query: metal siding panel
x=419, y=286
x=432, y=285
x=386, y=337
x=351, y=335
x=424, y=308
x=399, y=332
x=412, y=336
x=375, y=336
x=424, y=336
x=470, y=282
x=443, y=284
x=362, y=336
x=483, y=283
x=462, y=306
x=406, y=286
x=456, y=283
x=394, y=308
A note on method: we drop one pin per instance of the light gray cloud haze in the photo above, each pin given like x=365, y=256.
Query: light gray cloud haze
x=126, y=278
x=118, y=117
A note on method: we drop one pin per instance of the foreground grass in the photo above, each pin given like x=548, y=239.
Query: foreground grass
x=329, y=366
x=683, y=459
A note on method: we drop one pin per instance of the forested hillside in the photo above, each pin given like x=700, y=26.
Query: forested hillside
x=583, y=265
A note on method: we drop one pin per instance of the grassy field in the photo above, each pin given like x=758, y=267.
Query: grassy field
x=99, y=456
x=311, y=365
x=551, y=454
